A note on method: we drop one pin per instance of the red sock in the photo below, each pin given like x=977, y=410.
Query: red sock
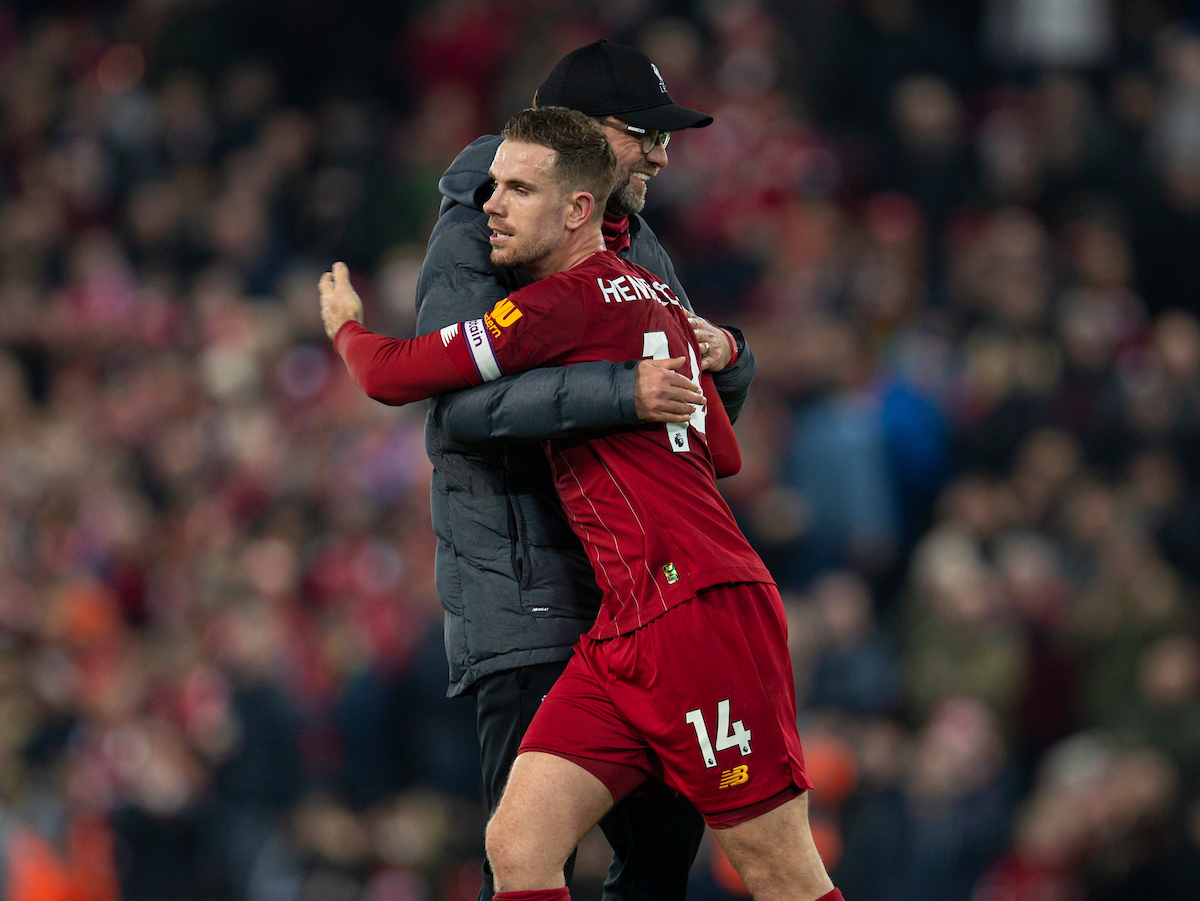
x=835, y=895
x=545, y=894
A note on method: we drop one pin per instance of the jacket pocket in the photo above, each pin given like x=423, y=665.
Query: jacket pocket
x=518, y=541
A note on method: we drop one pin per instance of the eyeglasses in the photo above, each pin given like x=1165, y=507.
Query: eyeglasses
x=648, y=136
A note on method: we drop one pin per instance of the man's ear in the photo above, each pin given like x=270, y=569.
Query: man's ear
x=582, y=205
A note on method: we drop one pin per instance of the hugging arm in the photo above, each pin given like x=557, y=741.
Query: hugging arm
x=458, y=282
x=533, y=405
x=542, y=404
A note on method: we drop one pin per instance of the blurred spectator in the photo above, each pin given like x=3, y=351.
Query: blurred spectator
x=1168, y=713
x=962, y=637
x=1031, y=568
x=1049, y=33
x=930, y=161
x=838, y=462
x=857, y=670
x=940, y=817
x=962, y=239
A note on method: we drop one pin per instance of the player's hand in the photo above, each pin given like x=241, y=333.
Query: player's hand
x=715, y=352
x=339, y=301
x=662, y=395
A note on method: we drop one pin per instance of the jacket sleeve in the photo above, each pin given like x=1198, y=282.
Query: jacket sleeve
x=458, y=283
x=733, y=382
x=541, y=404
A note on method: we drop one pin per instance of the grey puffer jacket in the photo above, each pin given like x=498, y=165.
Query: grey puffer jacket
x=514, y=581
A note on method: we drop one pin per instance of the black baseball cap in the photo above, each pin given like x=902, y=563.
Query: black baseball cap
x=604, y=79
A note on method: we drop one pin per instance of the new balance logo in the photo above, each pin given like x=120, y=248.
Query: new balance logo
x=737, y=776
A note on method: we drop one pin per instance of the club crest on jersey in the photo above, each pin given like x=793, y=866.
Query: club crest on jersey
x=739, y=775
x=503, y=314
x=671, y=573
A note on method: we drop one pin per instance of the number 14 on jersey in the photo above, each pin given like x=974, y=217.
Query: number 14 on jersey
x=738, y=737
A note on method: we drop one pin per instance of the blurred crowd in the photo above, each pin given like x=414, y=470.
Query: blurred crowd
x=963, y=240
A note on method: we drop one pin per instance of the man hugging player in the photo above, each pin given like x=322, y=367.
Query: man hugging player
x=685, y=677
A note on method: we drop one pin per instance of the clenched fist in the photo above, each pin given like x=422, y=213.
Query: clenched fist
x=339, y=301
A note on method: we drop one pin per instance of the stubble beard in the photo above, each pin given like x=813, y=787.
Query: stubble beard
x=523, y=257
x=623, y=201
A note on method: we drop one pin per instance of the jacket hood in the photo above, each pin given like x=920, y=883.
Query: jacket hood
x=467, y=180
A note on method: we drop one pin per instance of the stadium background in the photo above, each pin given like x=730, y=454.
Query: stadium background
x=964, y=241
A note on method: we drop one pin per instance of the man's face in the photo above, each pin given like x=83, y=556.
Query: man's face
x=634, y=169
x=527, y=212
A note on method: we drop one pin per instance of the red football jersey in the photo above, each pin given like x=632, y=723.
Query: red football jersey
x=644, y=503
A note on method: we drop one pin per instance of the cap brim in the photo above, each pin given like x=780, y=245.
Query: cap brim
x=668, y=117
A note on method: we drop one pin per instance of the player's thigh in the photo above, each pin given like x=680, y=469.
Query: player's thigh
x=775, y=854
x=549, y=804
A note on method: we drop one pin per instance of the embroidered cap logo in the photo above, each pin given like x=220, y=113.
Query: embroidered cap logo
x=662, y=85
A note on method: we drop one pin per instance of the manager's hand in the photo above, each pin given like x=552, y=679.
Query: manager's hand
x=716, y=352
x=339, y=301
x=662, y=395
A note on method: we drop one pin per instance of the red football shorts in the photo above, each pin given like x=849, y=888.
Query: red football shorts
x=701, y=699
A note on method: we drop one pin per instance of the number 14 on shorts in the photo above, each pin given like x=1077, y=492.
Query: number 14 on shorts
x=738, y=736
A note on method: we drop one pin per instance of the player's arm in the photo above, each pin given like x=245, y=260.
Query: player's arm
x=391, y=370
x=509, y=338
x=399, y=371
x=719, y=435
x=394, y=370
